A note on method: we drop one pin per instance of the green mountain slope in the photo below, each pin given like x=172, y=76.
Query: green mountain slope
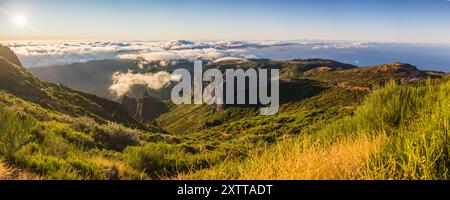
x=15, y=80
x=329, y=84
x=59, y=133
x=54, y=132
x=399, y=132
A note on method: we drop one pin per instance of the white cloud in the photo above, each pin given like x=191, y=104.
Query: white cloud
x=151, y=56
x=229, y=59
x=45, y=53
x=123, y=82
x=342, y=45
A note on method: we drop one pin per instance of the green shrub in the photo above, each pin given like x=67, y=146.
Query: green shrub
x=152, y=158
x=419, y=150
x=14, y=132
x=114, y=137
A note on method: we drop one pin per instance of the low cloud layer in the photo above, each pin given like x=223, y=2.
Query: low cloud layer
x=51, y=53
x=123, y=82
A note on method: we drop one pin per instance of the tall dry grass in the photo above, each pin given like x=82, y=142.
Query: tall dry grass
x=400, y=132
x=300, y=159
x=9, y=173
x=5, y=172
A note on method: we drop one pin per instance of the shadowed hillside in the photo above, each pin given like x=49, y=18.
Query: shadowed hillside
x=94, y=77
x=15, y=80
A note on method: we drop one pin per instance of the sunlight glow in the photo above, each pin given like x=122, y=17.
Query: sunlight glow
x=20, y=21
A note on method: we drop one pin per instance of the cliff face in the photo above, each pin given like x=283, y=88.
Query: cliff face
x=130, y=105
x=144, y=109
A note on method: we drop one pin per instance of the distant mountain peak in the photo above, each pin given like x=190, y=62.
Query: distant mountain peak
x=398, y=66
x=9, y=55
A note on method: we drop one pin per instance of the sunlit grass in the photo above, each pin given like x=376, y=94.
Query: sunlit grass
x=419, y=151
x=400, y=132
x=299, y=159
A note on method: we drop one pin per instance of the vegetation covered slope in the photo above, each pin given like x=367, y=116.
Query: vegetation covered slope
x=15, y=80
x=400, y=132
x=53, y=132
x=326, y=84
x=58, y=133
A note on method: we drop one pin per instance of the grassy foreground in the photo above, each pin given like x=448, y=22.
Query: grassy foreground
x=400, y=132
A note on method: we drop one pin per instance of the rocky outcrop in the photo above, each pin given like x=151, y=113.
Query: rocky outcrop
x=130, y=105
x=144, y=109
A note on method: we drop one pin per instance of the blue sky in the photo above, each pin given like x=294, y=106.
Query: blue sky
x=381, y=20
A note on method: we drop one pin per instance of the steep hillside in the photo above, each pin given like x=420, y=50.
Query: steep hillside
x=53, y=132
x=94, y=77
x=9, y=55
x=15, y=80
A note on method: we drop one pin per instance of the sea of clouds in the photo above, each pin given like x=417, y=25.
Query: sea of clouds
x=56, y=53
x=51, y=53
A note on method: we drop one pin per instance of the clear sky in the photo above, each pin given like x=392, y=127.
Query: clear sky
x=368, y=20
